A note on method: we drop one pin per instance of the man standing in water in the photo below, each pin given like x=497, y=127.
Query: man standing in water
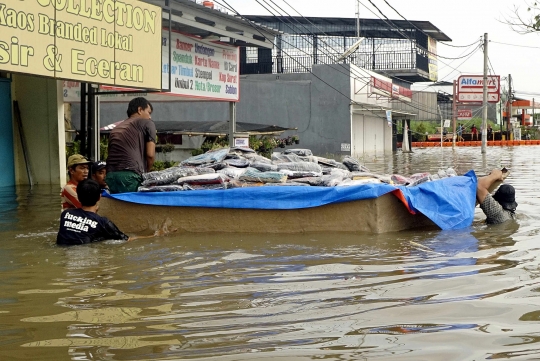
x=500, y=207
x=132, y=148
x=77, y=166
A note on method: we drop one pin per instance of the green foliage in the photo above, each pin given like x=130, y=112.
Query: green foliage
x=165, y=148
x=73, y=148
x=159, y=165
x=104, y=148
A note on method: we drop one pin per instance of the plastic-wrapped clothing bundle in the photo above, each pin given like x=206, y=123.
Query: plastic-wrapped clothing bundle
x=264, y=167
x=198, y=187
x=253, y=157
x=331, y=180
x=309, y=158
x=299, y=152
x=291, y=174
x=242, y=150
x=420, y=181
x=212, y=156
x=235, y=183
x=237, y=162
x=214, y=178
x=214, y=166
x=203, y=170
x=232, y=172
x=417, y=176
x=300, y=167
x=284, y=158
x=351, y=182
x=165, y=188
x=400, y=180
x=312, y=181
x=292, y=184
x=166, y=176
x=450, y=172
x=342, y=172
x=331, y=163
x=352, y=164
x=361, y=176
x=254, y=175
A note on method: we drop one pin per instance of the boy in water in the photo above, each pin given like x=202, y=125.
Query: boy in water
x=77, y=166
x=99, y=172
x=84, y=225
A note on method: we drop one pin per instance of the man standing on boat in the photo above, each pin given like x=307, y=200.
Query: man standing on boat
x=500, y=207
x=132, y=148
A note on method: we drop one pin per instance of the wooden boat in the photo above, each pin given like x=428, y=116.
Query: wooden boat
x=395, y=209
x=379, y=215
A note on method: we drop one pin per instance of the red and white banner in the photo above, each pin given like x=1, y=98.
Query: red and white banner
x=470, y=88
x=464, y=114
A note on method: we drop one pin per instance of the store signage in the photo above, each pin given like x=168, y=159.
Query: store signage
x=388, y=89
x=241, y=142
x=115, y=42
x=470, y=88
x=201, y=69
x=464, y=114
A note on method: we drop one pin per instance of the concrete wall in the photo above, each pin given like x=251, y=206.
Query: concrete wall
x=318, y=105
x=42, y=112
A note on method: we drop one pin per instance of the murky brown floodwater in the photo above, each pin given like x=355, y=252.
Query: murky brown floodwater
x=471, y=294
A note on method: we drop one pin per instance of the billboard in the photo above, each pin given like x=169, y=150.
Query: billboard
x=470, y=88
x=115, y=42
x=432, y=59
x=201, y=69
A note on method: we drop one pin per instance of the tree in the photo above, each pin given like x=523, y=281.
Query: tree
x=525, y=22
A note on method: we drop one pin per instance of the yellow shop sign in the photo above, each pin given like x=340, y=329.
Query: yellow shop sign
x=113, y=42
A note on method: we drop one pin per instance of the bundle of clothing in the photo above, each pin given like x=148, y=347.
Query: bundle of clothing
x=227, y=168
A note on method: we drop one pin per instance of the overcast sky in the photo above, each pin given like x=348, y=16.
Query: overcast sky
x=464, y=21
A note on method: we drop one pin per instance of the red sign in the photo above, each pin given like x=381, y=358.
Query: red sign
x=382, y=87
x=464, y=114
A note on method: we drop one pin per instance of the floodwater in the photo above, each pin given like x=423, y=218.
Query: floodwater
x=471, y=294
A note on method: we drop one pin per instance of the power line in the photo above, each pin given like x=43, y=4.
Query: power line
x=519, y=46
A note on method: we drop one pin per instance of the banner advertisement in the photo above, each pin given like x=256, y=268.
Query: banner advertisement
x=201, y=69
x=116, y=42
x=432, y=59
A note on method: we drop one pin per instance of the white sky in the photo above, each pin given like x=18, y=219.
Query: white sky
x=464, y=21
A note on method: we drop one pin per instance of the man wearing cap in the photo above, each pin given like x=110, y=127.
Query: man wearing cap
x=132, y=148
x=99, y=172
x=500, y=207
x=77, y=166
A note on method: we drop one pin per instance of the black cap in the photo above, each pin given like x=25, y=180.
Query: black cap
x=506, y=196
x=98, y=166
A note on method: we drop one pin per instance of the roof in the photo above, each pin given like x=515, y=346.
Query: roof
x=208, y=128
x=369, y=28
x=192, y=18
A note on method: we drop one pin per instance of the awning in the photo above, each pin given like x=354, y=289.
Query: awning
x=209, y=128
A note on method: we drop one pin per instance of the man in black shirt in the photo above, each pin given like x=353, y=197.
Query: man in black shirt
x=84, y=225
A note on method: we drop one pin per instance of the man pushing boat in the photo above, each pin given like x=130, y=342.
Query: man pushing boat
x=500, y=207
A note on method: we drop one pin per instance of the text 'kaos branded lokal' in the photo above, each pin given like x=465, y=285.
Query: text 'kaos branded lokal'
x=113, y=42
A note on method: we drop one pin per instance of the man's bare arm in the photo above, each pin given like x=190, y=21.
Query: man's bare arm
x=484, y=183
x=150, y=155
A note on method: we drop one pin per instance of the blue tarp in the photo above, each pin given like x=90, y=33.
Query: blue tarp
x=448, y=202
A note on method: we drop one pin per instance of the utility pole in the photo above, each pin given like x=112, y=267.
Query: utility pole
x=485, y=97
x=454, y=114
x=509, y=105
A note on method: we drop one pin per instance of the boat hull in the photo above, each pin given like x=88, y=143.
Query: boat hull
x=379, y=215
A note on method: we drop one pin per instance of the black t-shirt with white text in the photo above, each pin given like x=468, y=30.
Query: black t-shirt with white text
x=78, y=226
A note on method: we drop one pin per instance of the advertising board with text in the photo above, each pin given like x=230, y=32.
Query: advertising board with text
x=470, y=88
x=201, y=69
x=464, y=114
x=114, y=42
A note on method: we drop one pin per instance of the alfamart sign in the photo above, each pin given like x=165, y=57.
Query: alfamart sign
x=115, y=42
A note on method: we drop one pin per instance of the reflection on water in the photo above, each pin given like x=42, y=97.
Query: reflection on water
x=415, y=295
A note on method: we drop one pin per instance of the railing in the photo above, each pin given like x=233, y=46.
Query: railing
x=379, y=61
